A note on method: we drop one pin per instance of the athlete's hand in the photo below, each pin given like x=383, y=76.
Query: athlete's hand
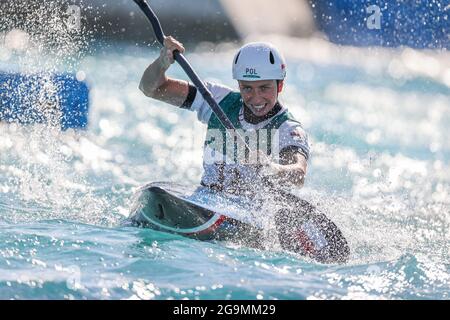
x=166, y=54
x=265, y=165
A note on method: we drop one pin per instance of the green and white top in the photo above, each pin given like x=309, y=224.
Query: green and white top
x=226, y=161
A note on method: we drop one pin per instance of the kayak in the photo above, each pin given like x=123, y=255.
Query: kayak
x=205, y=214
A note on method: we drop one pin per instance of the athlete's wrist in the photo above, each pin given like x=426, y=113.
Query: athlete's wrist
x=164, y=60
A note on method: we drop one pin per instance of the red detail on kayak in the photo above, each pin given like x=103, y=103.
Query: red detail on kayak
x=211, y=228
x=305, y=243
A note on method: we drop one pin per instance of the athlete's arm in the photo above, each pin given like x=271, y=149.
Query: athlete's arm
x=292, y=167
x=155, y=83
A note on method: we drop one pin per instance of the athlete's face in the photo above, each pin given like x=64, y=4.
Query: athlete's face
x=260, y=96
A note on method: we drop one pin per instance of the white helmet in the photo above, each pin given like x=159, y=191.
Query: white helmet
x=258, y=61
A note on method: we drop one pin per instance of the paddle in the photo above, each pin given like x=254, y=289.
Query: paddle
x=185, y=65
x=307, y=230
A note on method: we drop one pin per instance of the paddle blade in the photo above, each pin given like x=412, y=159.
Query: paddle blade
x=307, y=231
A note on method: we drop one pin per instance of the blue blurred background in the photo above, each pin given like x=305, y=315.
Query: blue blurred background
x=416, y=24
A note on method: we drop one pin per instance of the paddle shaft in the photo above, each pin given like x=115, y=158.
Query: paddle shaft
x=179, y=57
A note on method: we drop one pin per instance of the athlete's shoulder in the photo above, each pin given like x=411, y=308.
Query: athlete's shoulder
x=291, y=122
x=231, y=99
x=292, y=128
x=201, y=106
x=291, y=133
x=219, y=91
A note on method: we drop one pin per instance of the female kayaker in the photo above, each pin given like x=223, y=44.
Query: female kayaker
x=279, y=143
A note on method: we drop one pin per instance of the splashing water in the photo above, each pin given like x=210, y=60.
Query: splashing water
x=380, y=169
x=31, y=30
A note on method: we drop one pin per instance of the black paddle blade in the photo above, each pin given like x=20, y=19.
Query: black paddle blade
x=305, y=230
